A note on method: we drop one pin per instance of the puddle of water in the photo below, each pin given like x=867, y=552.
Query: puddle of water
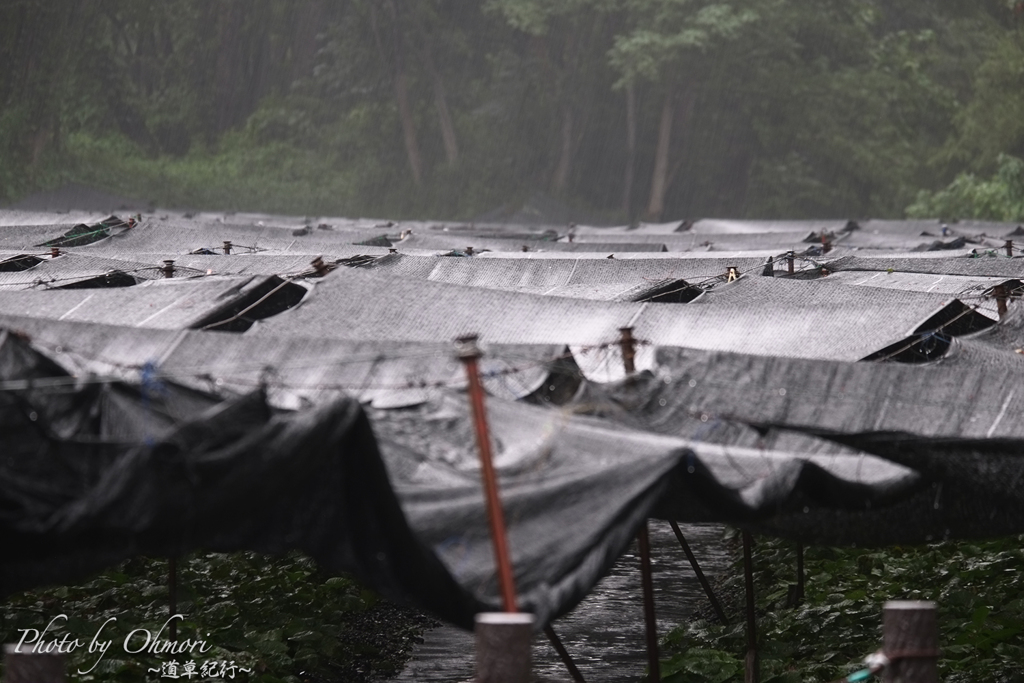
x=605, y=633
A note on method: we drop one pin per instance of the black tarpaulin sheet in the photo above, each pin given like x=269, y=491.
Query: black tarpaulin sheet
x=400, y=505
x=226, y=476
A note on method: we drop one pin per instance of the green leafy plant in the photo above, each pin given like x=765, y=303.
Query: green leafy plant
x=283, y=619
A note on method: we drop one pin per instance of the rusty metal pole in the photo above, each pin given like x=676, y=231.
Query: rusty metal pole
x=1000, y=294
x=168, y=269
x=826, y=243
x=790, y=256
x=910, y=639
x=469, y=354
x=715, y=604
x=1009, y=248
x=752, y=668
x=227, y=246
x=54, y=252
x=28, y=667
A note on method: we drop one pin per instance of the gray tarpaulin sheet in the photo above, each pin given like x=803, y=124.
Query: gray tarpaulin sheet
x=168, y=303
x=754, y=315
x=297, y=371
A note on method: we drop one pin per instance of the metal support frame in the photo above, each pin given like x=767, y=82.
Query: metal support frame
x=651, y=623
x=715, y=604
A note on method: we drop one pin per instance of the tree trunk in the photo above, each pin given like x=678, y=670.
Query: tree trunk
x=412, y=149
x=659, y=185
x=304, y=40
x=560, y=180
x=627, y=182
x=444, y=116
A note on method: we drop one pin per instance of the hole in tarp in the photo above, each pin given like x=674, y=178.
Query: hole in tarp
x=561, y=385
x=670, y=292
x=919, y=348
x=114, y=278
x=1014, y=289
x=83, y=234
x=357, y=261
x=378, y=241
x=956, y=319
x=270, y=297
x=18, y=263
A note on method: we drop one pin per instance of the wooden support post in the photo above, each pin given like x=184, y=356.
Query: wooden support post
x=826, y=243
x=469, y=354
x=1009, y=248
x=790, y=257
x=227, y=246
x=628, y=345
x=910, y=639
x=651, y=623
x=168, y=269
x=556, y=642
x=1000, y=294
x=172, y=594
x=503, y=647
x=28, y=667
x=715, y=604
x=752, y=668
x=54, y=252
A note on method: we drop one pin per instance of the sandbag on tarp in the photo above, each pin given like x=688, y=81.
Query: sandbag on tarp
x=228, y=476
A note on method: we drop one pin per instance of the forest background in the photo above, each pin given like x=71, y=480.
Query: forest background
x=622, y=109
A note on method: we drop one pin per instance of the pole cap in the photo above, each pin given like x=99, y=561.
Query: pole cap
x=466, y=346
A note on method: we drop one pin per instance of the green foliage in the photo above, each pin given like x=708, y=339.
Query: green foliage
x=999, y=198
x=977, y=585
x=282, y=618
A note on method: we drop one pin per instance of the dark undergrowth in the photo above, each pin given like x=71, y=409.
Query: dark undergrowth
x=282, y=619
x=978, y=586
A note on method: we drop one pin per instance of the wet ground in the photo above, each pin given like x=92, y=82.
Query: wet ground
x=605, y=633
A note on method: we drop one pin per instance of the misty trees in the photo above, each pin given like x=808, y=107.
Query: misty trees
x=668, y=45
x=636, y=108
